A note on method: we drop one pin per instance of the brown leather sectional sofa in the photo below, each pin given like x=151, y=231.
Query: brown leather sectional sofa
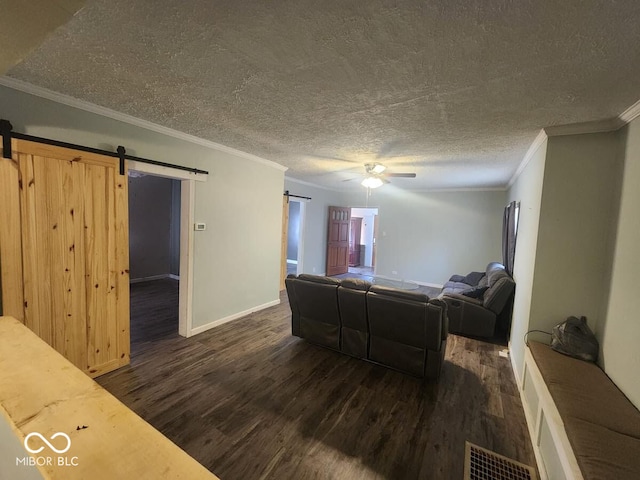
x=399, y=329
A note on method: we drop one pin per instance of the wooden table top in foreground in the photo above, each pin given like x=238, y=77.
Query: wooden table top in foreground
x=43, y=393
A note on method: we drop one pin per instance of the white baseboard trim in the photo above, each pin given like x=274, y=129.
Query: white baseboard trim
x=235, y=316
x=154, y=277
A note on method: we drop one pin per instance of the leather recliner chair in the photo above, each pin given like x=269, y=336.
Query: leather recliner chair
x=407, y=331
x=318, y=315
x=479, y=316
x=352, y=299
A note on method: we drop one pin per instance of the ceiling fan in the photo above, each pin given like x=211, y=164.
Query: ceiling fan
x=376, y=175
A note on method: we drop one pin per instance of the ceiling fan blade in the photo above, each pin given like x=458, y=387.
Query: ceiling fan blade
x=400, y=175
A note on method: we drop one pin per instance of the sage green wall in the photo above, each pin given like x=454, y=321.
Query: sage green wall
x=579, y=199
x=620, y=331
x=569, y=194
x=429, y=236
x=527, y=190
x=237, y=259
x=424, y=237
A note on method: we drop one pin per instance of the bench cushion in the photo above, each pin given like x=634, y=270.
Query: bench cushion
x=602, y=425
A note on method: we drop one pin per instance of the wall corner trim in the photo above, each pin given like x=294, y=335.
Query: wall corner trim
x=235, y=316
x=539, y=140
x=514, y=367
x=61, y=98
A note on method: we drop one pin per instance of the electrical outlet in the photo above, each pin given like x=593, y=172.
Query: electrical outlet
x=313, y=270
x=394, y=272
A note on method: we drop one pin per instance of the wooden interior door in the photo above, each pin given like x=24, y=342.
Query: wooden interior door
x=338, y=240
x=75, y=253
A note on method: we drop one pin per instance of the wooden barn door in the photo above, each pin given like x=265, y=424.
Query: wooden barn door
x=75, y=253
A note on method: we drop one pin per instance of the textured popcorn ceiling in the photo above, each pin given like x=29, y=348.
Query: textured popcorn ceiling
x=455, y=90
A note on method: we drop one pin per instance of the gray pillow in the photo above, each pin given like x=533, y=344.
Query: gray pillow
x=476, y=292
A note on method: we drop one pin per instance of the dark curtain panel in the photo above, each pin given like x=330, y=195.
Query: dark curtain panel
x=509, y=237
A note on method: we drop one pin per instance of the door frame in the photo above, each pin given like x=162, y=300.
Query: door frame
x=285, y=239
x=187, y=220
x=300, y=258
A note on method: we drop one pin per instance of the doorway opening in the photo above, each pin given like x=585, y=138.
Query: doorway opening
x=295, y=239
x=363, y=234
x=154, y=257
x=183, y=204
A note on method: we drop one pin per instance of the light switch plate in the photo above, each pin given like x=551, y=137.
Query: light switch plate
x=199, y=227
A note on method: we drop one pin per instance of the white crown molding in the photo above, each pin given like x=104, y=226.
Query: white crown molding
x=457, y=190
x=309, y=184
x=630, y=113
x=533, y=148
x=123, y=117
x=597, y=126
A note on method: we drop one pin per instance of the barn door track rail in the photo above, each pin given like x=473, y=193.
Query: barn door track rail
x=6, y=129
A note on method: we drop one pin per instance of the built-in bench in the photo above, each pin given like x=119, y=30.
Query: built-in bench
x=74, y=428
x=581, y=425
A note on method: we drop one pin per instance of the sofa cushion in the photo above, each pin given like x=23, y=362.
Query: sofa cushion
x=473, y=278
x=454, y=287
x=456, y=278
x=568, y=379
x=494, y=271
x=319, y=279
x=355, y=284
x=401, y=294
x=602, y=453
x=501, y=288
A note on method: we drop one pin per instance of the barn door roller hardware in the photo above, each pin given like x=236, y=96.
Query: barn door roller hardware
x=6, y=129
x=288, y=195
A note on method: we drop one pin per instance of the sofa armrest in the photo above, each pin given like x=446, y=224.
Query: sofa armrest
x=468, y=316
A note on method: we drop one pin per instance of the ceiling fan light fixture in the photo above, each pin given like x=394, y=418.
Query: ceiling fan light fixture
x=378, y=168
x=372, y=182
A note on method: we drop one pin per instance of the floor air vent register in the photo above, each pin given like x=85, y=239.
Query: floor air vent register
x=483, y=464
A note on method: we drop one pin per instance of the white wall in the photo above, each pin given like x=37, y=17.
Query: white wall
x=427, y=237
x=620, y=330
x=237, y=259
x=527, y=190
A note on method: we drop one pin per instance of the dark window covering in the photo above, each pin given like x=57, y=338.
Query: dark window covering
x=509, y=234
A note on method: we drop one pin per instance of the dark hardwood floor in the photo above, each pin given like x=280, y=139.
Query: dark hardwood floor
x=250, y=401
